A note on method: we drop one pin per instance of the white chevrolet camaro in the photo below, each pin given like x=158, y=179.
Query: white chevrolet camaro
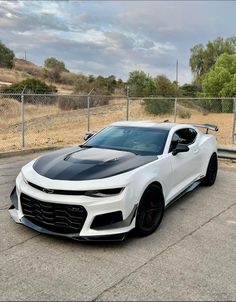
x=121, y=179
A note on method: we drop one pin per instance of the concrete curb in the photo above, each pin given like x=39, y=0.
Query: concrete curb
x=28, y=151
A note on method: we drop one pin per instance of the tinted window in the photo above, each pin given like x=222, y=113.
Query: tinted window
x=145, y=141
x=184, y=136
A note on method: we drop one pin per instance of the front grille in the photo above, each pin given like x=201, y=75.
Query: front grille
x=91, y=193
x=55, y=217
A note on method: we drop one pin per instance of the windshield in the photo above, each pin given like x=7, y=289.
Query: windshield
x=143, y=141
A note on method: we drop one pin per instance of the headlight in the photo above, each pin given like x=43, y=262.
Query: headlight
x=104, y=193
x=24, y=179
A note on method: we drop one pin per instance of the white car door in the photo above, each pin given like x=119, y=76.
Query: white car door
x=185, y=166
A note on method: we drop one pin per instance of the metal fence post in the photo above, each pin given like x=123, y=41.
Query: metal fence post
x=22, y=119
x=127, y=105
x=234, y=121
x=175, y=109
x=88, y=107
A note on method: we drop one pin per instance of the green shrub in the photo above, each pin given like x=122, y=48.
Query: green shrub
x=30, y=86
x=158, y=106
x=227, y=106
x=216, y=105
x=69, y=78
x=69, y=103
x=211, y=105
x=187, y=103
x=184, y=114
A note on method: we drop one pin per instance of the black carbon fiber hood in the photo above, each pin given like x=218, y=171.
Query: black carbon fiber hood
x=88, y=163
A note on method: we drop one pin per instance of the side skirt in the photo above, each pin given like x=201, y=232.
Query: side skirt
x=187, y=190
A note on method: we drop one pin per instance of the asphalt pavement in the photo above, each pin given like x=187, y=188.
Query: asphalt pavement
x=192, y=256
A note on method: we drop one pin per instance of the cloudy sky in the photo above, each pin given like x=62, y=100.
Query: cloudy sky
x=115, y=37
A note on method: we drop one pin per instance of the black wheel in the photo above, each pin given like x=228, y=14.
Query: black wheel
x=210, y=177
x=150, y=211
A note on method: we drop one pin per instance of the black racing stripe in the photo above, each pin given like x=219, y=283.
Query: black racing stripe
x=76, y=164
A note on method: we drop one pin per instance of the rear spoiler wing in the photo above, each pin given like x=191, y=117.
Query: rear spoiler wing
x=207, y=127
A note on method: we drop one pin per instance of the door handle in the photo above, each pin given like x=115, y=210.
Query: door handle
x=195, y=150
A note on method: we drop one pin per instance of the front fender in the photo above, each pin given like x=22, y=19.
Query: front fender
x=158, y=171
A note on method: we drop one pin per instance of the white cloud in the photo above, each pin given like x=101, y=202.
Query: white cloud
x=114, y=37
x=12, y=4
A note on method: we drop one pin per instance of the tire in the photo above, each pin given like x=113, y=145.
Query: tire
x=211, y=173
x=150, y=211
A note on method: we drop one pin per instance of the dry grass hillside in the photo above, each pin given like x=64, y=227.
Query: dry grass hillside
x=48, y=125
x=24, y=70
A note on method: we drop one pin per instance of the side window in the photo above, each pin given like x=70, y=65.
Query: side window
x=184, y=136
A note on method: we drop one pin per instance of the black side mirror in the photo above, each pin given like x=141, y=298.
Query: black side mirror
x=180, y=148
x=88, y=135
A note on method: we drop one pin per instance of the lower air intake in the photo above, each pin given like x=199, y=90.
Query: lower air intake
x=55, y=217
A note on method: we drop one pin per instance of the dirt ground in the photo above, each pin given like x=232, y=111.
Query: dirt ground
x=48, y=125
x=228, y=165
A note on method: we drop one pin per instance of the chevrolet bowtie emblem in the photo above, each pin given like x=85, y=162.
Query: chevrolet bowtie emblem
x=49, y=191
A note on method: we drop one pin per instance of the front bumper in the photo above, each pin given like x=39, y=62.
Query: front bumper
x=93, y=206
x=29, y=224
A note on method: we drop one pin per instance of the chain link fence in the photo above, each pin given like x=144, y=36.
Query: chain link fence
x=41, y=120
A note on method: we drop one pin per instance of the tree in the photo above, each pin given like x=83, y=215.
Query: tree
x=190, y=90
x=83, y=84
x=54, y=69
x=204, y=57
x=140, y=84
x=100, y=85
x=91, y=78
x=111, y=83
x=145, y=86
x=53, y=63
x=6, y=57
x=120, y=82
x=164, y=87
x=221, y=81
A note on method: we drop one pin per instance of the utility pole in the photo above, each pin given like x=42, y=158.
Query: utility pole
x=25, y=55
x=177, y=73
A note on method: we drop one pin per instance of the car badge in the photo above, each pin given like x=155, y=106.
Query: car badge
x=49, y=191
